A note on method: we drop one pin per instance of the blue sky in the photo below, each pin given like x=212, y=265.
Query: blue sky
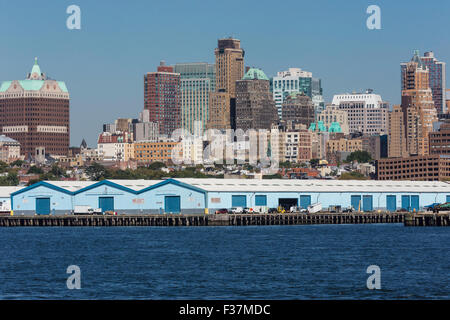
x=103, y=64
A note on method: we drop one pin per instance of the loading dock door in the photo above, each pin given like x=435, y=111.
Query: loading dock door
x=287, y=203
x=305, y=201
x=391, y=203
x=415, y=203
x=355, y=201
x=106, y=203
x=406, y=205
x=239, y=201
x=43, y=205
x=172, y=204
x=261, y=200
x=367, y=203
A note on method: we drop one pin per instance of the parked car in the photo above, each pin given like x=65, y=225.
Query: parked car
x=432, y=206
x=248, y=210
x=442, y=207
x=348, y=210
x=222, y=211
x=110, y=213
x=236, y=210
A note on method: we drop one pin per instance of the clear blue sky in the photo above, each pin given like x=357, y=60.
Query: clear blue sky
x=103, y=63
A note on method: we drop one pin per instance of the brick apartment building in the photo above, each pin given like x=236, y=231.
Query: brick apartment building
x=162, y=97
x=429, y=168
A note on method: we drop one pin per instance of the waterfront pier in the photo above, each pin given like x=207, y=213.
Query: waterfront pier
x=200, y=220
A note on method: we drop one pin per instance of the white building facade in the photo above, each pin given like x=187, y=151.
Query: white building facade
x=367, y=112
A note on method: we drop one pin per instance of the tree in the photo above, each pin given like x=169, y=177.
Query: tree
x=97, y=172
x=360, y=156
x=3, y=166
x=156, y=165
x=57, y=171
x=17, y=163
x=314, y=162
x=35, y=170
x=352, y=176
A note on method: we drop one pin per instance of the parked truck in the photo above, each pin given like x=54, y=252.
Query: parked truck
x=314, y=208
x=86, y=210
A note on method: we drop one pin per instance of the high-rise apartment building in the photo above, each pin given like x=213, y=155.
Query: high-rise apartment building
x=298, y=108
x=255, y=108
x=35, y=112
x=396, y=137
x=436, y=75
x=297, y=80
x=419, y=111
x=229, y=69
x=162, y=97
x=197, y=81
x=367, y=112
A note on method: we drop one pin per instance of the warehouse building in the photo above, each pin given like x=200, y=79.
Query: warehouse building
x=190, y=196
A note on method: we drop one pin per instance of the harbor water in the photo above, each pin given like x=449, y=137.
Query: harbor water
x=256, y=262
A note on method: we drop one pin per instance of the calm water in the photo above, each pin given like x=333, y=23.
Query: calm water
x=275, y=262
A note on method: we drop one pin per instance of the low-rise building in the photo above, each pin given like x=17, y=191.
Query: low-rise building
x=9, y=149
x=430, y=167
x=146, y=152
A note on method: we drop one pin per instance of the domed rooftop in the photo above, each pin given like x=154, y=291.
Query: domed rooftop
x=255, y=74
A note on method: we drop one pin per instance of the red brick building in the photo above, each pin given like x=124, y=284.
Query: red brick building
x=35, y=112
x=162, y=97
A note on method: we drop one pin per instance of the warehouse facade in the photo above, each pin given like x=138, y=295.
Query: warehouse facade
x=196, y=196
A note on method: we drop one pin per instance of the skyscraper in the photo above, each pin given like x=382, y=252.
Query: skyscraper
x=229, y=69
x=297, y=80
x=419, y=111
x=396, y=137
x=255, y=108
x=298, y=108
x=35, y=112
x=162, y=98
x=197, y=81
x=436, y=71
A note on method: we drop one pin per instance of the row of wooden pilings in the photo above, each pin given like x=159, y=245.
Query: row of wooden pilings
x=201, y=220
x=427, y=220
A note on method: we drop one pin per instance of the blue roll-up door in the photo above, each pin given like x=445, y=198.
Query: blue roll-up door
x=415, y=203
x=172, y=204
x=305, y=201
x=448, y=199
x=355, y=201
x=391, y=203
x=367, y=203
x=42, y=205
x=239, y=201
x=406, y=204
x=260, y=200
x=106, y=203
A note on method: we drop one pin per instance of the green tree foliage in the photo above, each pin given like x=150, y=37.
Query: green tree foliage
x=10, y=180
x=360, y=156
x=352, y=176
x=3, y=166
x=35, y=170
x=17, y=163
x=96, y=172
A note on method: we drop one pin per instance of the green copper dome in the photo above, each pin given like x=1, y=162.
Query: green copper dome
x=255, y=74
x=36, y=68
